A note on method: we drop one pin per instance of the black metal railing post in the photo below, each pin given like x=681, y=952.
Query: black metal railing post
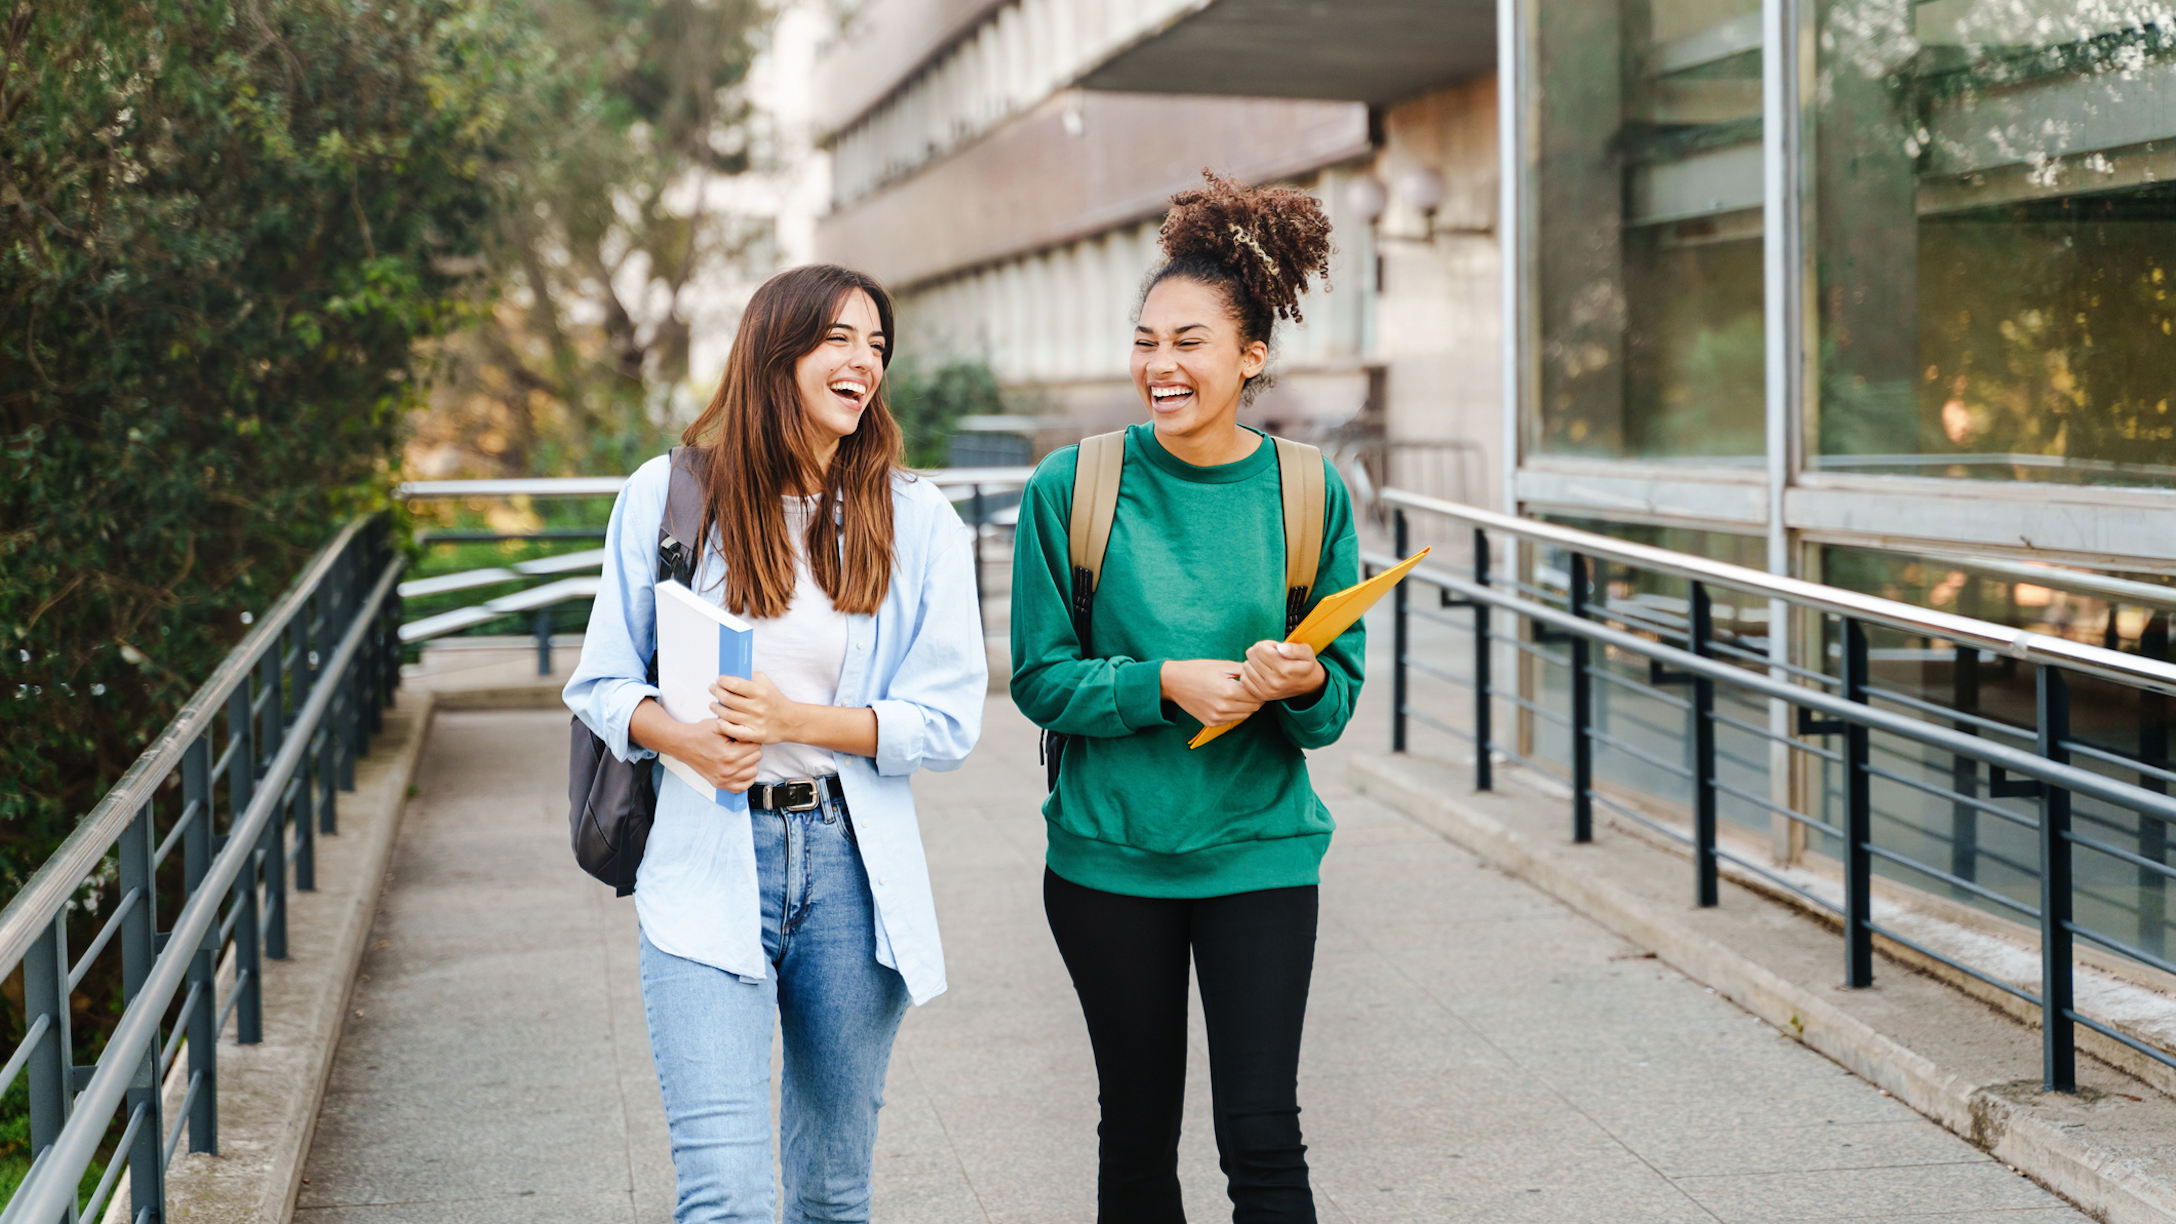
x=241, y=754
x=248, y=954
x=328, y=812
x=139, y=947
x=272, y=843
x=304, y=679
x=350, y=722
x=51, y=1069
x=2152, y=831
x=202, y=1020
x=1858, y=861
x=540, y=625
x=391, y=614
x=2058, y=1039
x=1582, y=654
x=1484, y=775
x=1964, y=772
x=1703, y=750
x=1399, y=635
x=370, y=658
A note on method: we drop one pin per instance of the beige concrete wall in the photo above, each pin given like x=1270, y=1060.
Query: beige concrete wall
x=1439, y=317
x=880, y=46
x=1044, y=180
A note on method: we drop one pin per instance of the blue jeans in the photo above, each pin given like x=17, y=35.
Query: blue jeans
x=711, y=1034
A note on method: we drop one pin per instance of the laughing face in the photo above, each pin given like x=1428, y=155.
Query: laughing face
x=837, y=377
x=1189, y=364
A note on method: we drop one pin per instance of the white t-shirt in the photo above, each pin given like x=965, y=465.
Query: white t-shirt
x=802, y=652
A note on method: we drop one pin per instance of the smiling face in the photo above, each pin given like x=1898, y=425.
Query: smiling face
x=1189, y=361
x=839, y=376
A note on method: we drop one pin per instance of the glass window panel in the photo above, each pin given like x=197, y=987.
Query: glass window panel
x=1648, y=197
x=1995, y=239
x=2127, y=612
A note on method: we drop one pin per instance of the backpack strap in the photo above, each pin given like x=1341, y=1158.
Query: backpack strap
x=682, y=525
x=1096, y=471
x=1299, y=471
x=678, y=530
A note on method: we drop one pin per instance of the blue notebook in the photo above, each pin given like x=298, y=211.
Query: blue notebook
x=698, y=641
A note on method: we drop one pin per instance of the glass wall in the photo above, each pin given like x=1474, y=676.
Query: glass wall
x=1994, y=243
x=1994, y=843
x=1648, y=197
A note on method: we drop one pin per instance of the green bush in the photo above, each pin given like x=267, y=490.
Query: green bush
x=223, y=228
x=928, y=401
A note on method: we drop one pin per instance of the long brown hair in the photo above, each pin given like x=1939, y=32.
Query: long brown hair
x=760, y=450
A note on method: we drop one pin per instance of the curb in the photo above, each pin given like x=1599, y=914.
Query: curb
x=2066, y=1162
x=270, y=1093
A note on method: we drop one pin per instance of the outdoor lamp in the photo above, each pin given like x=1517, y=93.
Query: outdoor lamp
x=1366, y=197
x=1422, y=187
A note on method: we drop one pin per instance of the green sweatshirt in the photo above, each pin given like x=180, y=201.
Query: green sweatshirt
x=1195, y=570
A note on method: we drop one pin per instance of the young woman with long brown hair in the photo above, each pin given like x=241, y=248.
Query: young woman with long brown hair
x=1159, y=854
x=813, y=912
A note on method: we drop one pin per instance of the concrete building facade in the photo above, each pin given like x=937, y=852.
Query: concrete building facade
x=1005, y=166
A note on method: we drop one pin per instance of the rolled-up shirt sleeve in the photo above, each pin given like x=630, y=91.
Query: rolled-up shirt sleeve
x=612, y=677
x=930, y=715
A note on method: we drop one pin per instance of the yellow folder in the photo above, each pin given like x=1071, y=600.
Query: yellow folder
x=1334, y=615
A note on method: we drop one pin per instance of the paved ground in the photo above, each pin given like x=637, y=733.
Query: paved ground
x=1475, y=1051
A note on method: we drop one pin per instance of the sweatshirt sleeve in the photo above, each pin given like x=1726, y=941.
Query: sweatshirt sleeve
x=1317, y=720
x=1054, y=682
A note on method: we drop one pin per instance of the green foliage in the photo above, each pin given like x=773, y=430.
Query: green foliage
x=928, y=402
x=223, y=228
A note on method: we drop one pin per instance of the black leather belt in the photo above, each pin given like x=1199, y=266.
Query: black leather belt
x=795, y=794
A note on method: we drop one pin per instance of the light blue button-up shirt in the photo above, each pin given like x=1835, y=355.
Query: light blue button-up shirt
x=919, y=662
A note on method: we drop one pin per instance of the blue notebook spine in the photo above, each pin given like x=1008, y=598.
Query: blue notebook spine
x=736, y=657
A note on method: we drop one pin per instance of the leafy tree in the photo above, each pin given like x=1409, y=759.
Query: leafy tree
x=571, y=368
x=223, y=228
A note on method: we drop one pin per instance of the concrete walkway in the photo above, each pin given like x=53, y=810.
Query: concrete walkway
x=1475, y=1051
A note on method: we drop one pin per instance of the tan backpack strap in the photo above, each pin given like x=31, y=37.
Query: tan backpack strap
x=1299, y=469
x=1095, y=500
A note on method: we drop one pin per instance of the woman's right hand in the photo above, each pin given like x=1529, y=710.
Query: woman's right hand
x=721, y=760
x=1208, y=689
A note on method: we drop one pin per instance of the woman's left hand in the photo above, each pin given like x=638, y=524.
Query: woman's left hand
x=753, y=710
x=1278, y=671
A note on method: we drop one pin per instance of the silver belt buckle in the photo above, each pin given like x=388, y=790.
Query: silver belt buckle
x=799, y=795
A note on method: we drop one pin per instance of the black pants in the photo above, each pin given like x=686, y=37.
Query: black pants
x=1253, y=954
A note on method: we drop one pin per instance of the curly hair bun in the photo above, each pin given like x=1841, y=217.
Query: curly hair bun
x=1270, y=238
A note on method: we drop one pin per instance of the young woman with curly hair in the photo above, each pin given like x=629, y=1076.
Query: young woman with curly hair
x=1158, y=854
x=810, y=913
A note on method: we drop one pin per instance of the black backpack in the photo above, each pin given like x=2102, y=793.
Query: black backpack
x=611, y=803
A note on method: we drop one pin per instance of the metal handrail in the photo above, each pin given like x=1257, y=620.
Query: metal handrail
x=1934, y=735
x=46, y=1196
x=609, y=486
x=281, y=768
x=1963, y=630
x=2041, y=770
x=965, y=484
x=27, y=916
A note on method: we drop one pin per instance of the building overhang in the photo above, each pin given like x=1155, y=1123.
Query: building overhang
x=1373, y=51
